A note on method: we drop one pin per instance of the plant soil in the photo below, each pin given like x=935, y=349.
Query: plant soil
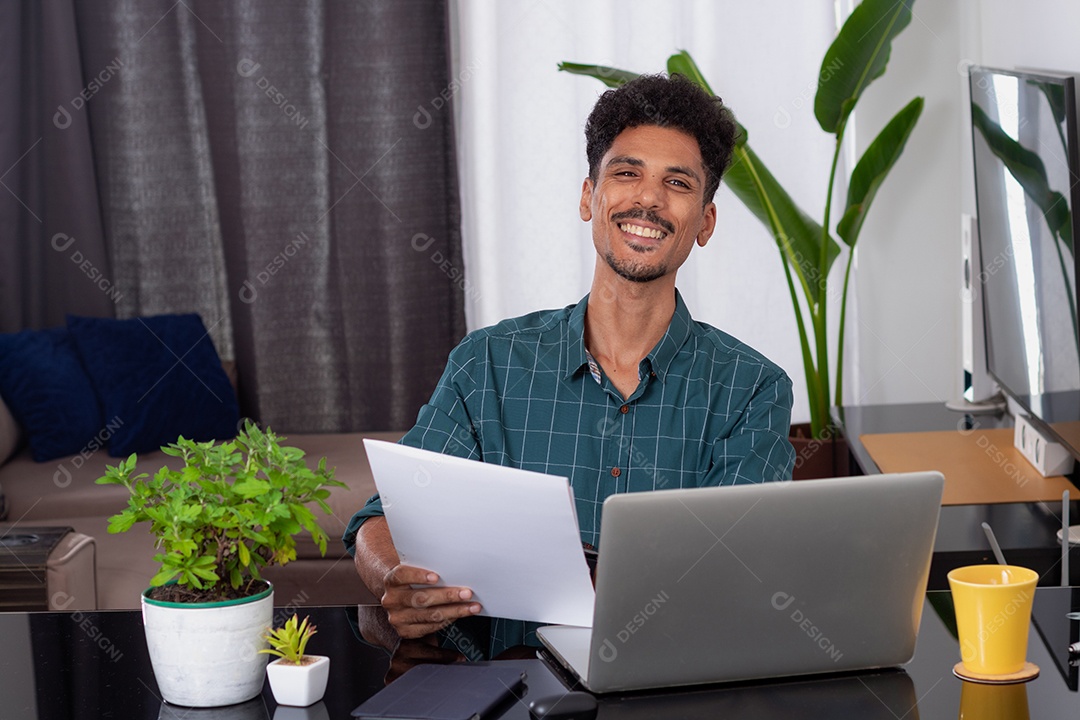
x=181, y=594
x=306, y=660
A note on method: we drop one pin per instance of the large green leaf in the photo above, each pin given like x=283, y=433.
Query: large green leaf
x=1028, y=170
x=873, y=167
x=612, y=77
x=682, y=64
x=857, y=57
x=796, y=233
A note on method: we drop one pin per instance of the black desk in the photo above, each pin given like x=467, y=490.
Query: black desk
x=1027, y=532
x=93, y=665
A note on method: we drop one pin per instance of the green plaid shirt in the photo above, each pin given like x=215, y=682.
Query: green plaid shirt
x=708, y=410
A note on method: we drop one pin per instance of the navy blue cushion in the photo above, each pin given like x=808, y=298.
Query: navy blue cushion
x=157, y=378
x=48, y=392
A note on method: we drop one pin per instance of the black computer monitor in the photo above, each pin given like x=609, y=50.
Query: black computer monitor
x=1024, y=133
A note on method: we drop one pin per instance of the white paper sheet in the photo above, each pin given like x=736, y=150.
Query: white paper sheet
x=510, y=535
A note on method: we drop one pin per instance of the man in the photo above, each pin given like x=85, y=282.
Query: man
x=622, y=392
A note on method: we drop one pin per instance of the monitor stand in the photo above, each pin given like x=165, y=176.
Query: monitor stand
x=995, y=405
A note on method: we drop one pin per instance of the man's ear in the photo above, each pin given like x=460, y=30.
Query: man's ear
x=585, y=208
x=708, y=225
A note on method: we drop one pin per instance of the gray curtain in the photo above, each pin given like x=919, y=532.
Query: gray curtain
x=266, y=165
x=52, y=253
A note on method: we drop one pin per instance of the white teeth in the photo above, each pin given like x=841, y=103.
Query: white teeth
x=642, y=231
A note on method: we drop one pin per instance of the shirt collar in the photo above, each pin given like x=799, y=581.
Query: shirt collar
x=659, y=359
x=661, y=356
x=576, y=359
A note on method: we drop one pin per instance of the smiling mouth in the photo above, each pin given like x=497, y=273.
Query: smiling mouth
x=642, y=231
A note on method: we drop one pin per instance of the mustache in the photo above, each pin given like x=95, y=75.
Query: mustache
x=648, y=216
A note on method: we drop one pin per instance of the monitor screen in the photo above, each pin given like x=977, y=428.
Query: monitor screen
x=1026, y=191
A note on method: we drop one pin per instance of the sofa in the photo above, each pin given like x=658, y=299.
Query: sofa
x=63, y=493
x=75, y=398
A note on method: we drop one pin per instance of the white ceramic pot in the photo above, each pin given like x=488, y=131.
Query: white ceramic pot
x=207, y=654
x=299, y=685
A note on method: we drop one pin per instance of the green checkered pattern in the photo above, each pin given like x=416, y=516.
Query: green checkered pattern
x=708, y=410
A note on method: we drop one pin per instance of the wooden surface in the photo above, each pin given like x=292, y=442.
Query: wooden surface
x=1030, y=671
x=1069, y=431
x=980, y=466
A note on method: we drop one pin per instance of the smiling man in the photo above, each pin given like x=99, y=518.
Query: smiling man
x=622, y=392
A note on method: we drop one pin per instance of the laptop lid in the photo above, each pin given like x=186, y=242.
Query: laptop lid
x=734, y=583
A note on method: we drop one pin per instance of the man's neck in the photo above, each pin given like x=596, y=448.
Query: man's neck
x=624, y=321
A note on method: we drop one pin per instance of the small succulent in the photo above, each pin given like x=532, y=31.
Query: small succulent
x=290, y=640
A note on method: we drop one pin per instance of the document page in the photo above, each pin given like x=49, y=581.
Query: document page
x=510, y=535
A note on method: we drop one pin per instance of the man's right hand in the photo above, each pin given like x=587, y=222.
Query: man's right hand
x=417, y=606
x=412, y=611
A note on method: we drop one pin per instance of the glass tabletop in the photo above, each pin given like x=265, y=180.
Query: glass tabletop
x=92, y=665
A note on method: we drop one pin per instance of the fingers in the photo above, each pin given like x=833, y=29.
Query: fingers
x=409, y=575
x=414, y=622
x=415, y=612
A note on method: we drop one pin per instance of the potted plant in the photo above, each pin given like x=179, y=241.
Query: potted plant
x=808, y=249
x=232, y=509
x=295, y=678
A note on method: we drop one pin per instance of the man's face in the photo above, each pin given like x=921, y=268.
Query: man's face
x=646, y=206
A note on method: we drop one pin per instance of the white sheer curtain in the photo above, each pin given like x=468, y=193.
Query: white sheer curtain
x=522, y=151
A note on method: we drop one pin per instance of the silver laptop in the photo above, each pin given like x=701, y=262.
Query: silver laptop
x=734, y=583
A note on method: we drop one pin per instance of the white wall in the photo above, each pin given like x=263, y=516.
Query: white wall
x=522, y=162
x=1035, y=35
x=522, y=150
x=905, y=343
x=908, y=291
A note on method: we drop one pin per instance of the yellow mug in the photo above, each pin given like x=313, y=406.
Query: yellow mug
x=993, y=614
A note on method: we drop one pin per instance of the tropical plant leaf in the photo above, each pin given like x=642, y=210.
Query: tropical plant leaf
x=796, y=233
x=873, y=167
x=1028, y=170
x=682, y=64
x=612, y=77
x=857, y=57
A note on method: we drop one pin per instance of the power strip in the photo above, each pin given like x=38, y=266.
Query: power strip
x=1047, y=456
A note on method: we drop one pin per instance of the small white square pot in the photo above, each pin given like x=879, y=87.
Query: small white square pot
x=299, y=685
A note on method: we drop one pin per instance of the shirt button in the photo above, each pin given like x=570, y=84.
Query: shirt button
x=624, y=409
x=652, y=374
x=615, y=472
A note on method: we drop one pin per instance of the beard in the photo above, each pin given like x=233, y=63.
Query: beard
x=634, y=270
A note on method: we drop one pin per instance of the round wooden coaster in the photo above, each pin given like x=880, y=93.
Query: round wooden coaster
x=1030, y=671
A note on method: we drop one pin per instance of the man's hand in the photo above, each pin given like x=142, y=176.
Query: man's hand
x=417, y=611
x=412, y=612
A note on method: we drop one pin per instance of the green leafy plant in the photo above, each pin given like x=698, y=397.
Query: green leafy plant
x=808, y=249
x=290, y=640
x=232, y=509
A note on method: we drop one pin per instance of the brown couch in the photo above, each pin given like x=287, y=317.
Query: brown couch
x=63, y=493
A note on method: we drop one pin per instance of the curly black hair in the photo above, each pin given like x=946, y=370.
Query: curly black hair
x=671, y=102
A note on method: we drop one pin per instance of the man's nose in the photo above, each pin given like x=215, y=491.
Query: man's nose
x=649, y=193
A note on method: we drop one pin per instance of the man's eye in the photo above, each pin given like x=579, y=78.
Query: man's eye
x=680, y=183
